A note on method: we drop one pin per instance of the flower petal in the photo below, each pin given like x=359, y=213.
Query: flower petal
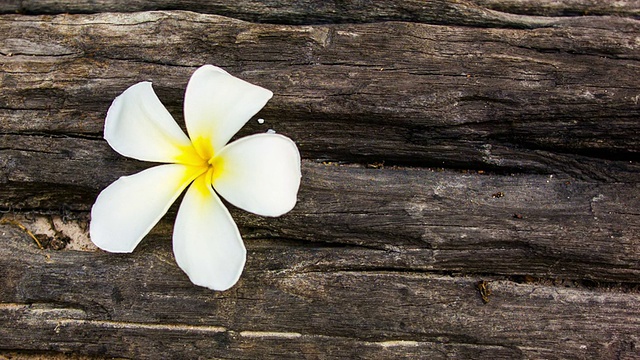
x=259, y=173
x=206, y=241
x=217, y=105
x=127, y=209
x=140, y=127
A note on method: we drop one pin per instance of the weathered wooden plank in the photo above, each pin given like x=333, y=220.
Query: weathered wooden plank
x=564, y=7
x=445, y=221
x=143, y=306
x=471, y=12
x=561, y=99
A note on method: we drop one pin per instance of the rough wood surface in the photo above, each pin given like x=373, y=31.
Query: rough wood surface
x=139, y=305
x=485, y=13
x=510, y=100
x=437, y=157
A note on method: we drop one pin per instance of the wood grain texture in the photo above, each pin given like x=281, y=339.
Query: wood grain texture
x=484, y=13
x=448, y=222
x=506, y=100
x=486, y=141
x=139, y=305
x=563, y=7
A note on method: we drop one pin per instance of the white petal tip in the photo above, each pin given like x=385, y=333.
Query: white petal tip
x=106, y=243
x=220, y=282
x=206, y=242
x=217, y=277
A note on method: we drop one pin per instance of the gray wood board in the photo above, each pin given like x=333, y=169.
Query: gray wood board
x=140, y=306
x=483, y=13
x=562, y=99
x=537, y=225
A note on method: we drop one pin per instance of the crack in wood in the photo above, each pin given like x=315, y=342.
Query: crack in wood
x=136, y=325
x=270, y=334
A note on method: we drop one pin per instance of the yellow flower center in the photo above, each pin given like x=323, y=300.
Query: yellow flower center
x=206, y=166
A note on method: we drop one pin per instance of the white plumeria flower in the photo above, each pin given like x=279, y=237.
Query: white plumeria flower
x=258, y=173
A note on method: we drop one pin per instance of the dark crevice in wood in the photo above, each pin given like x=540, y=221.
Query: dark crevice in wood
x=64, y=211
x=595, y=166
x=274, y=240
x=45, y=198
x=590, y=284
x=574, y=283
x=18, y=353
x=55, y=134
x=563, y=8
x=479, y=13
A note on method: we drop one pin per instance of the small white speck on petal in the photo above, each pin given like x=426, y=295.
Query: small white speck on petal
x=271, y=131
x=261, y=121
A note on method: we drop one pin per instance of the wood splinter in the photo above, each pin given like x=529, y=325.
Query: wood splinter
x=23, y=228
x=483, y=289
